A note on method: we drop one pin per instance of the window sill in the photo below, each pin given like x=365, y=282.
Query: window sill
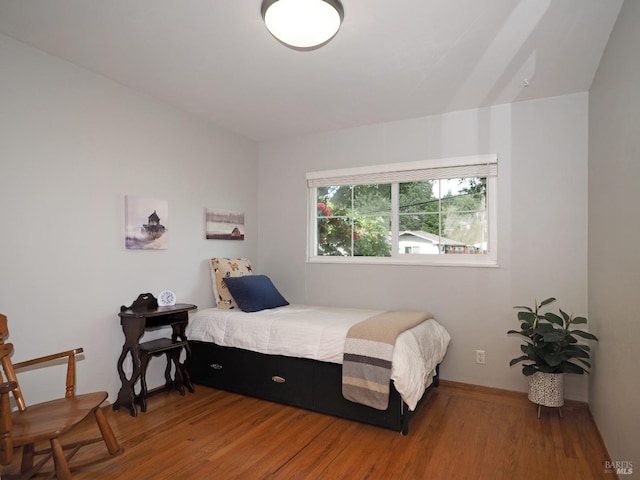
x=439, y=261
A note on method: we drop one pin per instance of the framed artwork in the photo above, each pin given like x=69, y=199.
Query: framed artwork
x=146, y=223
x=224, y=225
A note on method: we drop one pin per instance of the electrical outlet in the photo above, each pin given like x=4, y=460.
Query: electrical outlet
x=480, y=356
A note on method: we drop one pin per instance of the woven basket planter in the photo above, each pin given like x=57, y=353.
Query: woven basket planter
x=547, y=389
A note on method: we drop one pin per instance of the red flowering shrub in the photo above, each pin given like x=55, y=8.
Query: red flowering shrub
x=326, y=211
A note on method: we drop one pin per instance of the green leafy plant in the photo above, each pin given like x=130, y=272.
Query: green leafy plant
x=344, y=232
x=551, y=343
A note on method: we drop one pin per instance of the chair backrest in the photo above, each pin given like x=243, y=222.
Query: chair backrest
x=6, y=443
x=6, y=349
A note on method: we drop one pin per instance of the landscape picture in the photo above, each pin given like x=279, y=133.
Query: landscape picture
x=224, y=224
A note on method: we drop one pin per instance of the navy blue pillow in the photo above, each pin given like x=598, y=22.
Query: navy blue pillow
x=253, y=293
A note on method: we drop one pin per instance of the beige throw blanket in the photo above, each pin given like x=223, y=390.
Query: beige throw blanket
x=368, y=351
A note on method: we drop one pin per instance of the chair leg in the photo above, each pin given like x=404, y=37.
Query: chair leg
x=28, y=453
x=59, y=460
x=107, y=434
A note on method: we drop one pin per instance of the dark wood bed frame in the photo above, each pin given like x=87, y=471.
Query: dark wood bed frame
x=300, y=382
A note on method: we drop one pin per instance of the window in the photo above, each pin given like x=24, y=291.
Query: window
x=431, y=212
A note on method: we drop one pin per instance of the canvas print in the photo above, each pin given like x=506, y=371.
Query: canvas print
x=224, y=225
x=147, y=221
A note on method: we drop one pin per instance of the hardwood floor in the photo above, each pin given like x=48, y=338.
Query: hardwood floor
x=460, y=432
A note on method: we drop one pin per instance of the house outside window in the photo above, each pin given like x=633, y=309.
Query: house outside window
x=440, y=212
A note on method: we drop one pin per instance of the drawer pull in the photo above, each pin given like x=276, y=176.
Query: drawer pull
x=216, y=366
x=278, y=379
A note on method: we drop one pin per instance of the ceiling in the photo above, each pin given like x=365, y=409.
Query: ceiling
x=391, y=60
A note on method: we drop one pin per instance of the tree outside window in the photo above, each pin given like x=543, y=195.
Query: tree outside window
x=440, y=212
x=355, y=220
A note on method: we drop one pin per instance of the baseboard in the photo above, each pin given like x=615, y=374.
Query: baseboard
x=481, y=389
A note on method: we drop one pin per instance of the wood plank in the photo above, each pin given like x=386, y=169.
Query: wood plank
x=460, y=432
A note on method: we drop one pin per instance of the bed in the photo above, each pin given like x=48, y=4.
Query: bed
x=293, y=354
x=323, y=359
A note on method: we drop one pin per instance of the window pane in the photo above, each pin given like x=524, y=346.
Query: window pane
x=334, y=212
x=372, y=236
x=337, y=198
x=372, y=199
x=467, y=232
x=372, y=220
x=334, y=236
x=464, y=194
x=419, y=230
x=417, y=197
x=354, y=220
x=464, y=215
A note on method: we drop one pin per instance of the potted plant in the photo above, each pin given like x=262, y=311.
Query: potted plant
x=551, y=349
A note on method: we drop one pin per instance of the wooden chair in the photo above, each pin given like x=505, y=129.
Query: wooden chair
x=46, y=422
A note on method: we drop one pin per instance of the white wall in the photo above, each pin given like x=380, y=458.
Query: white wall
x=542, y=232
x=614, y=229
x=72, y=145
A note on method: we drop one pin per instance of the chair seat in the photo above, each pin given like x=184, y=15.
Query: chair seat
x=52, y=419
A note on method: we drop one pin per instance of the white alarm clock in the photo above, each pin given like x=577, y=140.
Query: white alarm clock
x=166, y=298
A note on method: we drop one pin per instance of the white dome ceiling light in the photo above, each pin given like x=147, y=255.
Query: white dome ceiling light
x=303, y=24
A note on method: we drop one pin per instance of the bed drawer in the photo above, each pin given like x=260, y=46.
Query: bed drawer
x=284, y=381
x=216, y=367
x=271, y=377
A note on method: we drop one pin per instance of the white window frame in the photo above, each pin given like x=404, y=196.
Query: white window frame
x=455, y=167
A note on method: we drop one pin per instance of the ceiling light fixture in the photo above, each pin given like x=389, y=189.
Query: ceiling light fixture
x=303, y=24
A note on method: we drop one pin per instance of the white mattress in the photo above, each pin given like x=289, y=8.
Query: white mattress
x=319, y=333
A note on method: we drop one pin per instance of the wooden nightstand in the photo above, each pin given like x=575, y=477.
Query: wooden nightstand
x=145, y=314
